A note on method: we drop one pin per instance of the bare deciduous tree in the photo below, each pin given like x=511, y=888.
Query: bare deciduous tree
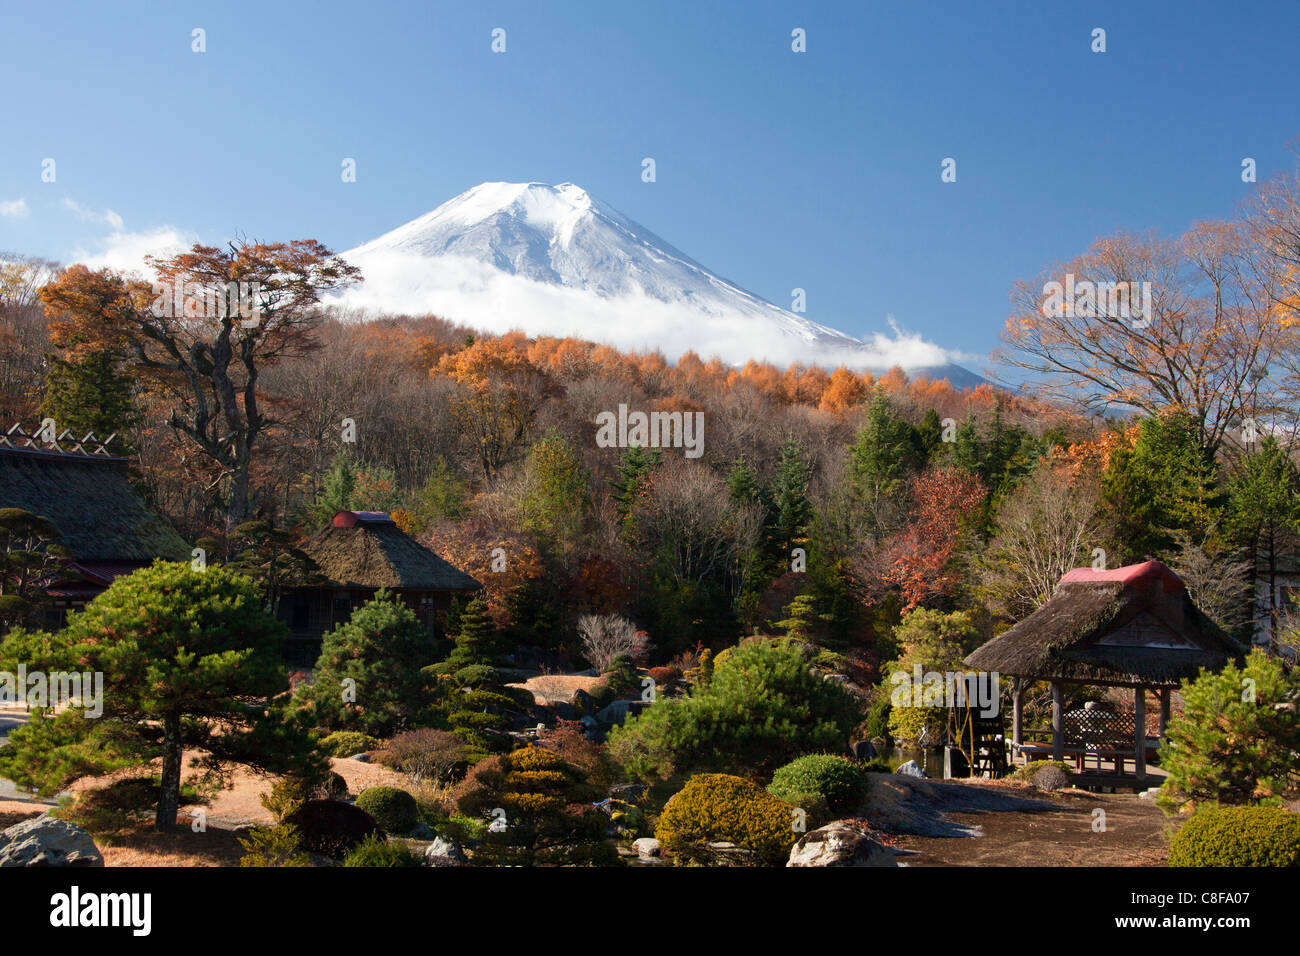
x=1204, y=347
x=1047, y=527
x=606, y=636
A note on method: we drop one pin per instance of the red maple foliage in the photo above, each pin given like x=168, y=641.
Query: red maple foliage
x=920, y=555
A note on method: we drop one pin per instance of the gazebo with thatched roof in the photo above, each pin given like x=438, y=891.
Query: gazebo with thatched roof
x=1134, y=626
x=358, y=553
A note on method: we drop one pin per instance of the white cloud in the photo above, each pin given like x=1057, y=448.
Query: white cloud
x=108, y=217
x=14, y=207
x=125, y=251
x=471, y=292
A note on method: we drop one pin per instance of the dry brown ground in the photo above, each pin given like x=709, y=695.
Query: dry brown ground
x=1058, y=832
x=559, y=686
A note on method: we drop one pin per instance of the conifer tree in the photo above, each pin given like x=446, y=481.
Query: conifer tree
x=368, y=677
x=89, y=395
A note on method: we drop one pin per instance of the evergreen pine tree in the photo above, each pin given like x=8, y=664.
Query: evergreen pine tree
x=791, y=508
x=90, y=395
x=634, y=467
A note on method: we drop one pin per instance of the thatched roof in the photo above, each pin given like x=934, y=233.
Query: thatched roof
x=100, y=516
x=1132, y=625
x=366, y=549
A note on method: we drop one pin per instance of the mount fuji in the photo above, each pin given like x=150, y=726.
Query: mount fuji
x=553, y=260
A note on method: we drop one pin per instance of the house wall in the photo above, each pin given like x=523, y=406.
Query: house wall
x=310, y=613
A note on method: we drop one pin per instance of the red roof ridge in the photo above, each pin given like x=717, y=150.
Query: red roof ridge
x=1130, y=575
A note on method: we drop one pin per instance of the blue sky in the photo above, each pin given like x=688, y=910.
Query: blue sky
x=777, y=170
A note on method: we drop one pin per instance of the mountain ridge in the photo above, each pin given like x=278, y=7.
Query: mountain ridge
x=556, y=260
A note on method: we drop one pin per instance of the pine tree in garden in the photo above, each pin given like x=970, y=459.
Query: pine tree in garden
x=474, y=701
x=368, y=677
x=801, y=618
x=190, y=661
x=472, y=661
x=1236, y=736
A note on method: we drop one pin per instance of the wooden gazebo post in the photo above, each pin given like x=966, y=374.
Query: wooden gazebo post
x=1058, y=723
x=1140, y=720
x=1017, y=709
x=1164, y=710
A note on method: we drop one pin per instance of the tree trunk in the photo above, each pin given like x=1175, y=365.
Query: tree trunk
x=169, y=794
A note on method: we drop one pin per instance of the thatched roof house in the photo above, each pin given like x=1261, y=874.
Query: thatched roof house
x=366, y=549
x=358, y=553
x=84, y=490
x=1134, y=625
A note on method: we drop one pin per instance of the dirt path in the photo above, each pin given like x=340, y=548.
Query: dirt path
x=1025, y=828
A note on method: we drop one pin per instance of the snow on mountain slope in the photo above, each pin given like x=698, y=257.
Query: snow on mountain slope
x=554, y=260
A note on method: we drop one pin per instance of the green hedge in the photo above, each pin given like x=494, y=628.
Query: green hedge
x=837, y=780
x=1238, y=836
x=393, y=809
x=347, y=743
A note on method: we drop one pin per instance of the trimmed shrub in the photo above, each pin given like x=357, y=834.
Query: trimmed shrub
x=838, y=781
x=715, y=807
x=272, y=846
x=1030, y=770
x=548, y=810
x=376, y=851
x=817, y=811
x=289, y=793
x=763, y=707
x=1050, y=779
x=1238, y=836
x=393, y=809
x=347, y=743
x=429, y=754
x=665, y=677
x=331, y=827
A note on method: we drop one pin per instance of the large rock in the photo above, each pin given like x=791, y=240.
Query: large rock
x=48, y=841
x=444, y=851
x=840, y=844
x=646, y=846
x=863, y=750
x=910, y=769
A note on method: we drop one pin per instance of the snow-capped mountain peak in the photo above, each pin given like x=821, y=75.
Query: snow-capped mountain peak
x=555, y=260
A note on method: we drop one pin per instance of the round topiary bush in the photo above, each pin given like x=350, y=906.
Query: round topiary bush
x=1030, y=770
x=376, y=851
x=393, y=809
x=837, y=780
x=1238, y=836
x=348, y=743
x=717, y=807
x=331, y=827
